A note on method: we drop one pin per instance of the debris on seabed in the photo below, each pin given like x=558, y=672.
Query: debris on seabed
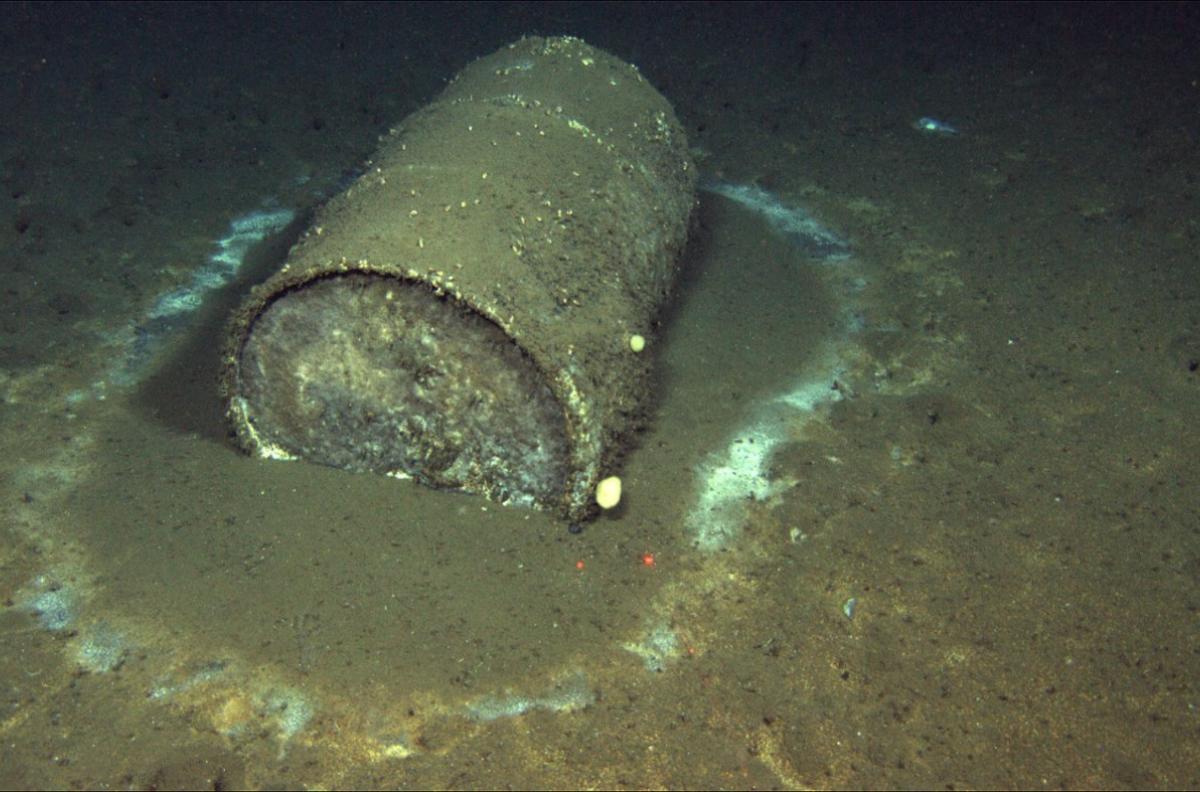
x=849, y=607
x=934, y=127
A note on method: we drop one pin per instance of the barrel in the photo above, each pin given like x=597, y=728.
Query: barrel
x=471, y=311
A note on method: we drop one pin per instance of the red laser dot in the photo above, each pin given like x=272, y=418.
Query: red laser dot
x=648, y=559
x=579, y=564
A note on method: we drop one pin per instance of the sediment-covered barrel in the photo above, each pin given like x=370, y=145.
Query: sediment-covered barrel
x=463, y=313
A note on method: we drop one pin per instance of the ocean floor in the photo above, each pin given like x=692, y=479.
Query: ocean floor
x=919, y=505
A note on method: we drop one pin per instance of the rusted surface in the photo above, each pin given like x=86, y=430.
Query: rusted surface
x=542, y=202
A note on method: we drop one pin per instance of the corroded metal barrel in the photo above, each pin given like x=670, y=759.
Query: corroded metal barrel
x=462, y=313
